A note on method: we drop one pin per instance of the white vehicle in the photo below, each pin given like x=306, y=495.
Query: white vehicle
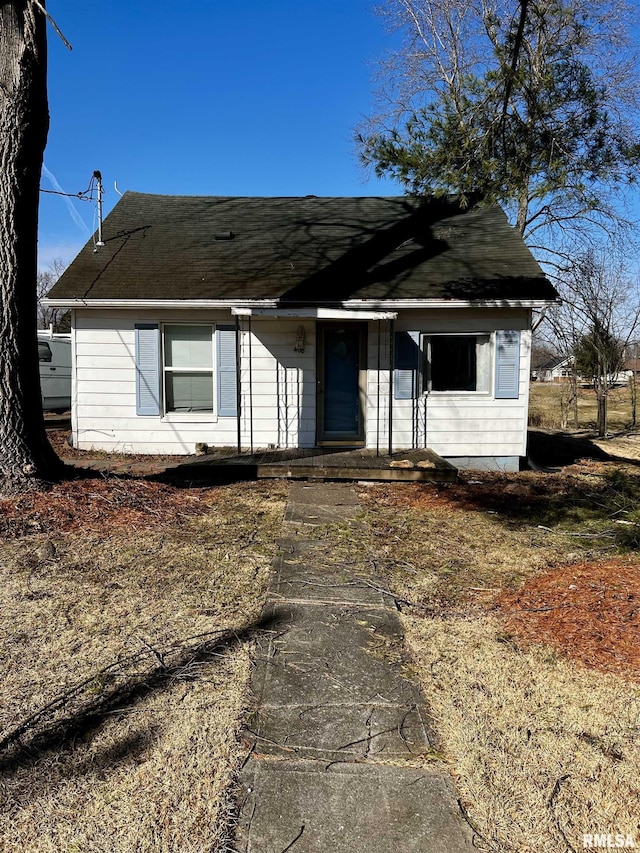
x=54, y=354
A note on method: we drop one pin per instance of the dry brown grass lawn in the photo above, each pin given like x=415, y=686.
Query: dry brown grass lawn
x=543, y=748
x=440, y=545
x=139, y=620
x=545, y=406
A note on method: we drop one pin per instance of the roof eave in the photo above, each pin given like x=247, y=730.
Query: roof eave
x=377, y=304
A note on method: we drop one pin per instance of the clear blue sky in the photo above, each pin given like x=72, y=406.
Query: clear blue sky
x=252, y=97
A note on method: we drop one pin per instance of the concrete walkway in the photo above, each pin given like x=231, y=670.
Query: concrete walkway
x=340, y=735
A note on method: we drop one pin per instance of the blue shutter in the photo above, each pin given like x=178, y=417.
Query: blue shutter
x=226, y=371
x=147, y=369
x=406, y=365
x=507, y=365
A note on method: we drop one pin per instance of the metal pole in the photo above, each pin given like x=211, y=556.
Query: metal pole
x=392, y=327
x=415, y=403
x=98, y=176
x=250, y=391
x=424, y=405
x=378, y=393
x=238, y=382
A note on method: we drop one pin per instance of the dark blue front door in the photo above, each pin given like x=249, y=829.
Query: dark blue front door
x=340, y=398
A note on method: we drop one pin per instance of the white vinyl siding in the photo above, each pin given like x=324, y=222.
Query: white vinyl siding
x=278, y=387
x=282, y=382
x=453, y=424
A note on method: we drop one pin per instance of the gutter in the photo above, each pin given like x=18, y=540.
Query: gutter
x=365, y=305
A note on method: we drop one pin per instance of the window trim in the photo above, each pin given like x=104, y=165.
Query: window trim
x=424, y=377
x=210, y=416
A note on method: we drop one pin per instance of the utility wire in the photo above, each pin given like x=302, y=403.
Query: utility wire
x=80, y=196
x=85, y=195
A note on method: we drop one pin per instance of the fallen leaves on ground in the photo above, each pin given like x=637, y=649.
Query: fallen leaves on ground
x=99, y=503
x=59, y=440
x=513, y=495
x=590, y=612
x=492, y=535
x=494, y=492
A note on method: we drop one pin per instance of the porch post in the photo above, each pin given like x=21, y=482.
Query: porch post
x=238, y=381
x=378, y=392
x=250, y=390
x=392, y=327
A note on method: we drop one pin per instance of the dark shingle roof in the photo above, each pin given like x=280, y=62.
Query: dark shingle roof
x=552, y=363
x=311, y=249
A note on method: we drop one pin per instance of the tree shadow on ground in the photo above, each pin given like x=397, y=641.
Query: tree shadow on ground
x=557, y=449
x=79, y=712
x=571, y=498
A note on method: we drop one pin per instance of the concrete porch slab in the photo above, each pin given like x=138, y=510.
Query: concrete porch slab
x=315, y=463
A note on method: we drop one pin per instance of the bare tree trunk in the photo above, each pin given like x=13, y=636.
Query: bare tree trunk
x=633, y=389
x=26, y=456
x=574, y=400
x=564, y=407
x=601, y=417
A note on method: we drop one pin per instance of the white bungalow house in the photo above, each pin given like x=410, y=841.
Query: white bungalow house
x=303, y=322
x=554, y=370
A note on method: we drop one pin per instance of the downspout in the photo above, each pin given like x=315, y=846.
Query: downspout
x=378, y=392
x=424, y=418
x=238, y=382
x=75, y=432
x=426, y=384
x=538, y=320
x=278, y=407
x=391, y=337
x=531, y=464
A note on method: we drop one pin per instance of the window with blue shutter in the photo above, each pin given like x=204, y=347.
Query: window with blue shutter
x=147, y=355
x=406, y=365
x=458, y=364
x=507, y=365
x=226, y=371
x=188, y=368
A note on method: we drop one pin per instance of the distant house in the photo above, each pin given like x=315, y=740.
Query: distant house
x=298, y=322
x=553, y=370
x=631, y=368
